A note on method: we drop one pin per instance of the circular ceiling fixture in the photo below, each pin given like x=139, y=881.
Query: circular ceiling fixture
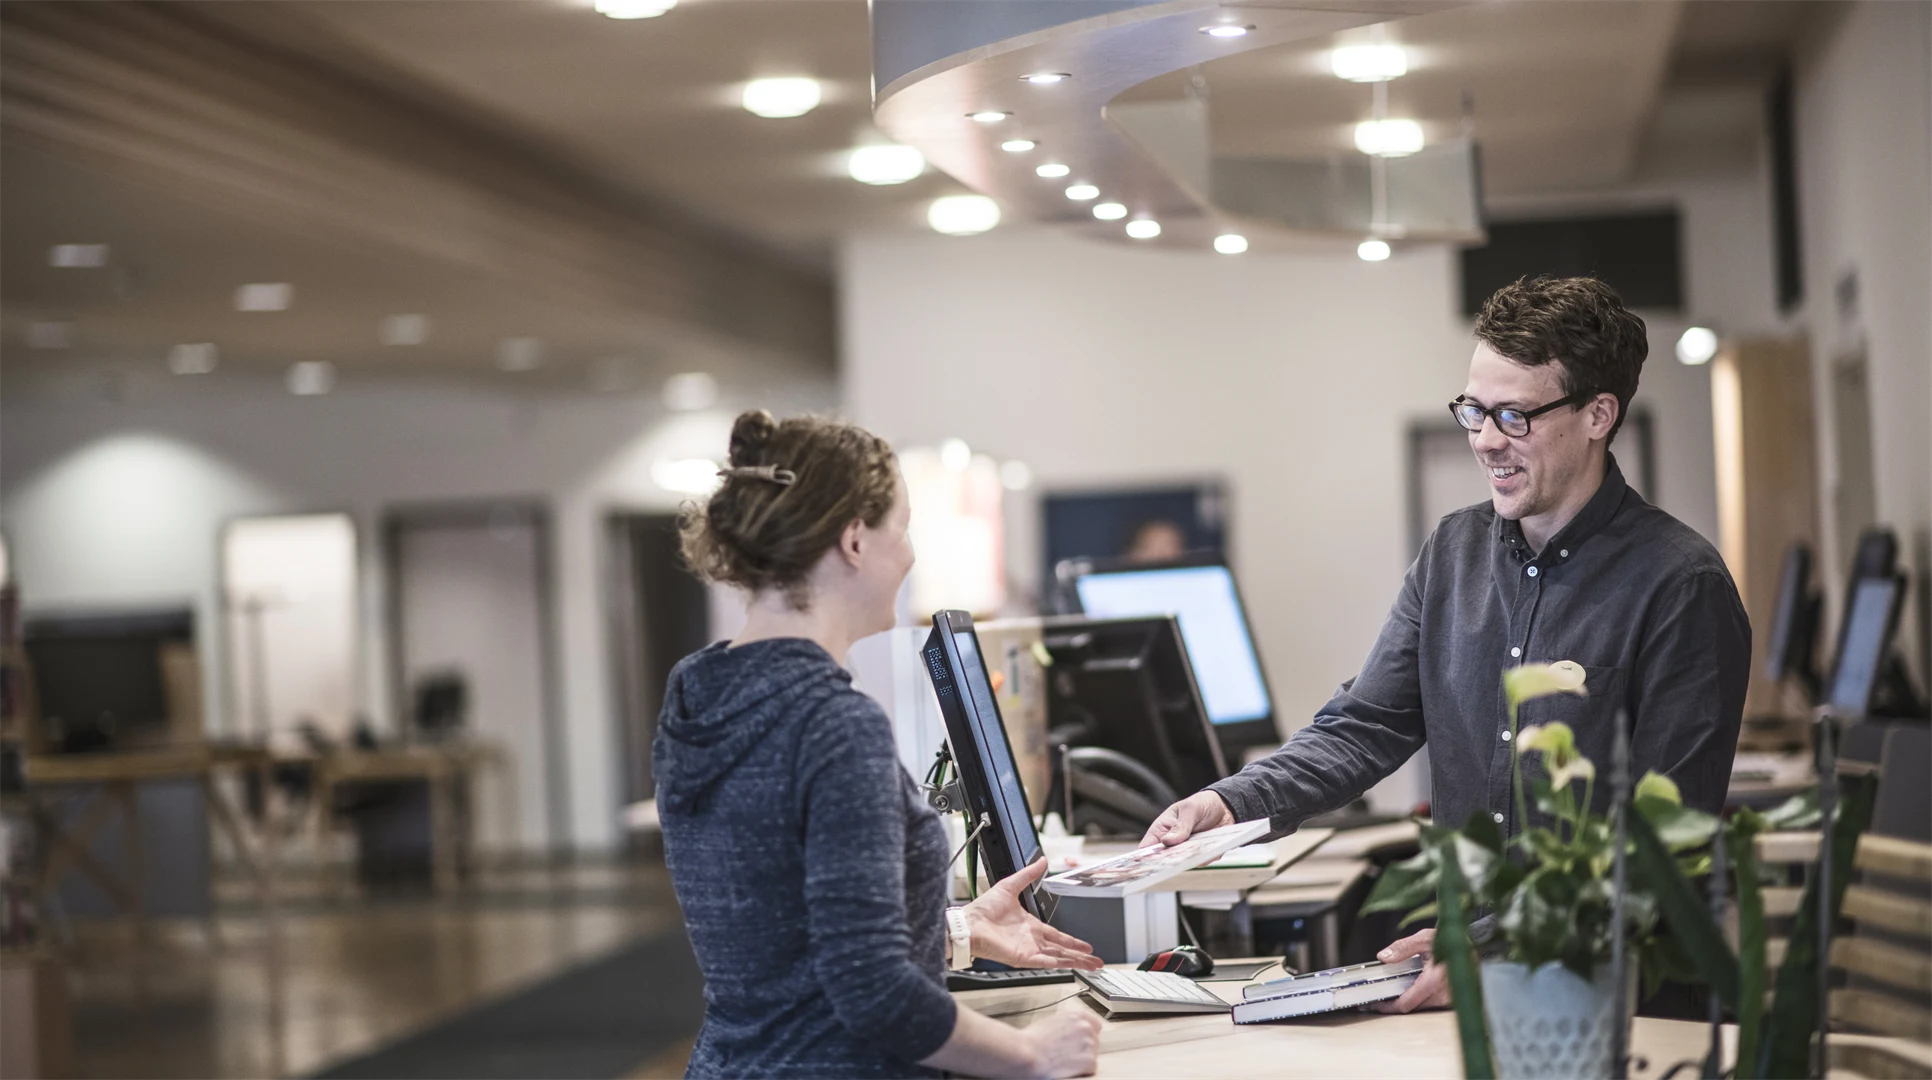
x=1144, y=229
x=634, y=9
x=1372, y=250
x=1369, y=63
x=1110, y=211
x=1226, y=30
x=1083, y=192
x=1018, y=146
x=988, y=116
x=1388, y=138
x=1697, y=345
x=1052, y=170
x=1230, y=243
x=889, y=163
x=1048, y=78
x=777, y=99
x=963, y=215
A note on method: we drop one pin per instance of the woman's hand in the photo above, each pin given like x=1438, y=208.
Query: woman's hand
x=1064, y=1043
x=1003, y=931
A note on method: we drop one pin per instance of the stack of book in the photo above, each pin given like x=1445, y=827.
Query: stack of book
x=1326, y=991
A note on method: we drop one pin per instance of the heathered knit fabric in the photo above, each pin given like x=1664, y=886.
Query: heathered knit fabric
x=811, y=871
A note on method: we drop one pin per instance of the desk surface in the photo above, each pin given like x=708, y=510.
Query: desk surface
x=1345, y=1044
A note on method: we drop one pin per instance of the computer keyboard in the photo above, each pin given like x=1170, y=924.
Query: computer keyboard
x=1003, y=980
x=1124, y=990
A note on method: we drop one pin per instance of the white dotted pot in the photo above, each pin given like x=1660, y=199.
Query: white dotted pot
x=1548, y=1022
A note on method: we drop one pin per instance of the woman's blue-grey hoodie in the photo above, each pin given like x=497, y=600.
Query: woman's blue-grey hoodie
x=811, y=871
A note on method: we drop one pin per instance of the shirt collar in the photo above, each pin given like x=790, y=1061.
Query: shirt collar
x=1593, y=517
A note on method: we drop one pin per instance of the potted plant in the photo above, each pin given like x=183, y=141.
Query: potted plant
x=1540, y=1000
x=1550, y=896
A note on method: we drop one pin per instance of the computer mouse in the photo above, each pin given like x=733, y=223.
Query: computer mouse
x=1181, y=960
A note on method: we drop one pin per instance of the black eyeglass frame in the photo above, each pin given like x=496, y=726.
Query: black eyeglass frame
x=1496, y=414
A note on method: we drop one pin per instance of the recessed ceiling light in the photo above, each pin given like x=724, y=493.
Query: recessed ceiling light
x=634, y=9
x=1697, y=345
x=311, y=377
x=1388, y=138
x=1047, y=78
x=1230, y=243
x=1369, y=63
x=1226, y=30
x=519, y=353
x=1144, y=229
x=1083, y=192
x=1052, y=171
x=265, y=296
x=196, y=359
x=1110, y=211
x=963, y=215
x=988, y=116
x=779, y=98
x=889, y=164
x=1018, y=146
x=404, y=330
x=77, y=256
x=690, y=391
x=1372, y=250
x=50, y=335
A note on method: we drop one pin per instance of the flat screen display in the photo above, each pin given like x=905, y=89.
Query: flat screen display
x=1213, y=627
x=994, y=750
x=1868, y=631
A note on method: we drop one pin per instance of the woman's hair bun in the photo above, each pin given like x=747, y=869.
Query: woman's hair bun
x=751, y=433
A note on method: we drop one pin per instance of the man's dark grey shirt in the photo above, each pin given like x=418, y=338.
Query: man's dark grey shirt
x=1629, y=592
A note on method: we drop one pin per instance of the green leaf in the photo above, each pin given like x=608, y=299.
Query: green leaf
x=1679, y=827
x=1454, y=950
x=1426, y=911
x=1404, y=885
x=1788, y=1031
x=1656, y=785
x=1741, y=844
x=1798, y=812
x=1686, y=912
x=1476, y=863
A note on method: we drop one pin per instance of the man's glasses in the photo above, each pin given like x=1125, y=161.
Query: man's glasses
x=1514, y=423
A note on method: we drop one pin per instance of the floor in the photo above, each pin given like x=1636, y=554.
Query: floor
x=351, y=971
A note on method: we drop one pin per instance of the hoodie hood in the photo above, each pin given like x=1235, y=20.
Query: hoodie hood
x=722, y=702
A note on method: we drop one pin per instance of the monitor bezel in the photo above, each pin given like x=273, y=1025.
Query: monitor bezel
x=1236, y=736
x=1170, y=627
x=958, y=712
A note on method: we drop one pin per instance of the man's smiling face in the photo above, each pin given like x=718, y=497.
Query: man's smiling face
x=1533, y=475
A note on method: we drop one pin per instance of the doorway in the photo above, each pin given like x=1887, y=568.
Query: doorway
x=471, y=621
x=659, y=614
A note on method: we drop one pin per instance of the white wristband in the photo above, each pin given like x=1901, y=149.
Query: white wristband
x=960, y=931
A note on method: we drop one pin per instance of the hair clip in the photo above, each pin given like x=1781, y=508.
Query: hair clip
x=781, y=477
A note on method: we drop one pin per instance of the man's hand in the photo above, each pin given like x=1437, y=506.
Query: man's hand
x=1197, y=813
x=1003, y=931
x=1431, y=990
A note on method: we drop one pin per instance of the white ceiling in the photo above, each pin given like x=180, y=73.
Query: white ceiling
x=1563, y=95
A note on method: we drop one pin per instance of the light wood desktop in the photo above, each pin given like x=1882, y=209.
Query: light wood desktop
x=1346, y=1044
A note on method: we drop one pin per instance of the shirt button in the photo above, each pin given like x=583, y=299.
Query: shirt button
x=1515, y=650
x=1531, y=571
x=1565, y=553
x=1498, y=818
x=1506, y=736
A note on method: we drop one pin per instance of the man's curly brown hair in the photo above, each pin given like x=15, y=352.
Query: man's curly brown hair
x=1577, y=323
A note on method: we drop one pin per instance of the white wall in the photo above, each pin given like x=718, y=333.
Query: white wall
x=1864, y=133
x=1294, y=378
x=117, y=502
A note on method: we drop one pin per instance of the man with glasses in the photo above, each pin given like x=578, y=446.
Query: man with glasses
x=1564, y=562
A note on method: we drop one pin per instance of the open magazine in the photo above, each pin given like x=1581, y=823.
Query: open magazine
x=1143, y=868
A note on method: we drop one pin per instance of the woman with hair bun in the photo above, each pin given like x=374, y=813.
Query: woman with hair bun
x=812, y=873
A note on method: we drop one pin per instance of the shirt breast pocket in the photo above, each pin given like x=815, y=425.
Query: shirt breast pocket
x=1590, y=715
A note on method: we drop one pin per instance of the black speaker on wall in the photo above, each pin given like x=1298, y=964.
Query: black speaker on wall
x=1781, y=134
x=1638, y=254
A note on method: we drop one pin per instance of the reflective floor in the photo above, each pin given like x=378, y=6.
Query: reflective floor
x=351, y=973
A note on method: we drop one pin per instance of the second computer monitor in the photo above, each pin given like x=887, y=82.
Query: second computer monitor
x=1870, y=619
x=1126, y=685
x=1215, y=627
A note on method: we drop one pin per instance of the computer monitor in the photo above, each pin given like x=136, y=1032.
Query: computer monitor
x=988, y=773
x=99, y=678
x=1214, y=626
x=1794, y=623
x=1126, y=685
x=1870, y=620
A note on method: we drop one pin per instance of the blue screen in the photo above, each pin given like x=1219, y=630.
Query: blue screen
x=1212, y=626
x=1871, y=611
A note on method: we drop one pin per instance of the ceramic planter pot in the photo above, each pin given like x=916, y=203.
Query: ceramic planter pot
x=1549, y=1022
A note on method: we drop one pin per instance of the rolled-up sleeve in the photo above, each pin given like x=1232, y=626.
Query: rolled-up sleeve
x=1366, y=731
x=855, y=888
x=1688, y=695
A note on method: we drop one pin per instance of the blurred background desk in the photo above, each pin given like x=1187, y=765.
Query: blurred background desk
x=443, y=820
